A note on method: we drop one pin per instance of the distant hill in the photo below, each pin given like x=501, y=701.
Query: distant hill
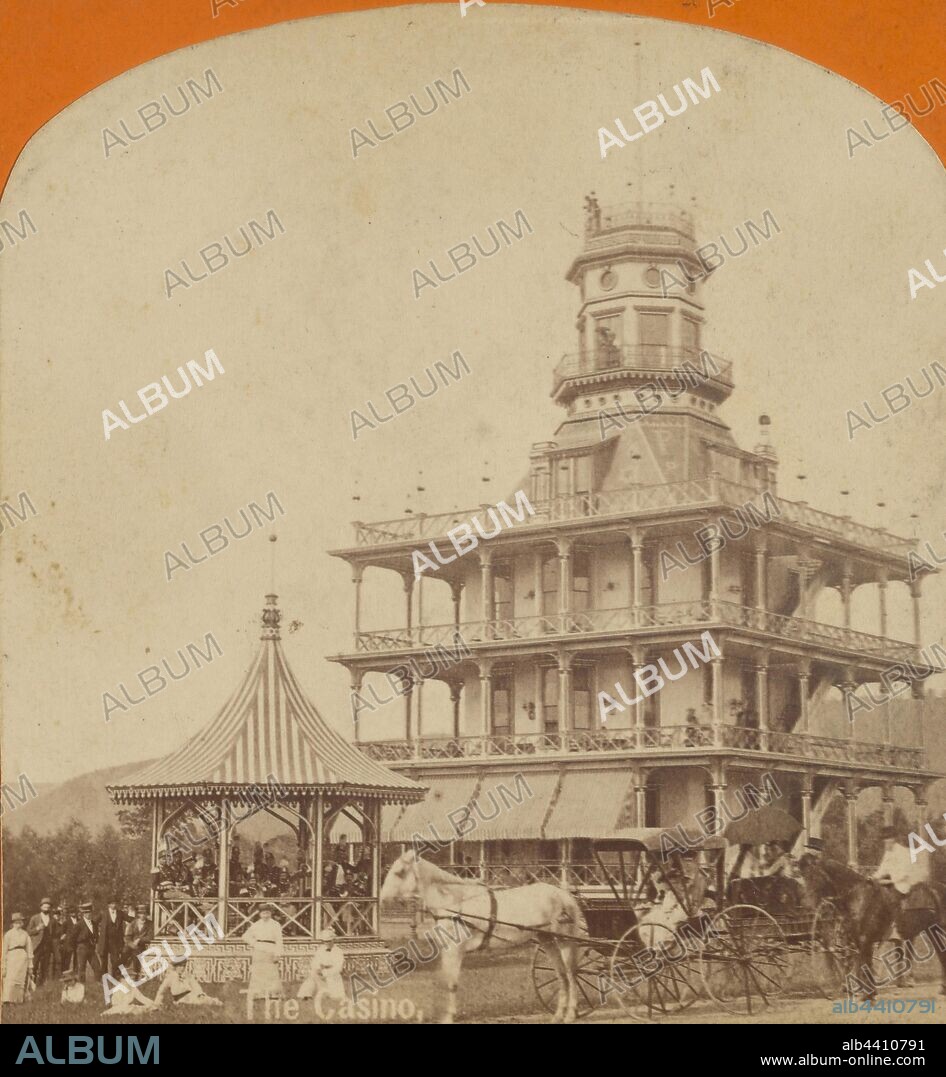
x=83, y=798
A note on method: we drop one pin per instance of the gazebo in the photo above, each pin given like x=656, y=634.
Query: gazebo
x=268, y=760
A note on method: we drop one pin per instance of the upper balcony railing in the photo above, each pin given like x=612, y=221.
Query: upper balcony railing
x=644, y=359
x=710, y=492
x=647, y=739
x=696, y=615
x=644, y=215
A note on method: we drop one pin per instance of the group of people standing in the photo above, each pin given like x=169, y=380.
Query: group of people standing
x=66, y=941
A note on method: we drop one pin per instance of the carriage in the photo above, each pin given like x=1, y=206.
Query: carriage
x=670, y=931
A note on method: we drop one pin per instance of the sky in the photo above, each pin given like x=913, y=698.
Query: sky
x=322, y=318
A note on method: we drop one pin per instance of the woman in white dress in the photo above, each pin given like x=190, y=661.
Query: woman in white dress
x=265, y=941
x=17, y=961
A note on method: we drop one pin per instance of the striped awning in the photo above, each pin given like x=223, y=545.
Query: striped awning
x=267, y=730
x=428, y=820
x=510, y=807
x=592, y=804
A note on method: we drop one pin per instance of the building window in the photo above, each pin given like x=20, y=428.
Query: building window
x=654, y=336
x=502, y=592
x=651, y=804
x=502, y=703
x=550, y=573
x=691, y=336
x=608, y=341
x=550, y=699
x=581, y=581
x=581, y=697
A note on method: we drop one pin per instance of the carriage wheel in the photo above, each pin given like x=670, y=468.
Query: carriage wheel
x=744, y=963
x=652, y=972
x=833, y=953
x=590, y=967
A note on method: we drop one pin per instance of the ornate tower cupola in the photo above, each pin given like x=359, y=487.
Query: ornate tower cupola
x=641, y=312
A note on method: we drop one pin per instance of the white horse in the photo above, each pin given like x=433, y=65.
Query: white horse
x=501, y=919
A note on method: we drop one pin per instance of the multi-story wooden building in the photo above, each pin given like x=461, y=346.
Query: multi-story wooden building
x=613, y=571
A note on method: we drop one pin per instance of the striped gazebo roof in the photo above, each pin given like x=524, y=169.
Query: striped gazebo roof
x=267, y=731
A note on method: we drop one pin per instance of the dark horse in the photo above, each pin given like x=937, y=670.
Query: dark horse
x=870, y=910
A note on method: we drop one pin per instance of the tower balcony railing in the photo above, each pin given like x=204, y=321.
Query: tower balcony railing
x=643, y=359
x=697, y=615
x=649, y=740
x=711, y=492
x=646, y=215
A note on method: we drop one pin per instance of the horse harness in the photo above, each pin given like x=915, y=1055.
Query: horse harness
x=491, y=922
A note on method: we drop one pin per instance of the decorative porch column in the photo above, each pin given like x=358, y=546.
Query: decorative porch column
x=807, y=792
x=846, y=591
x=487, y=590
x=357, y=678
x=408, y=682
x=714, y=577
x=761, y=598
x=564, y=547
x=762, y=699
x=888, y=803
x=636, y=588
x=882, y=596
x=357, y=571
x=565, y=691
x=640, y=797
x=804, y=678
x=716, y=673
x=486, y=696
x=850, y=796
x=456, y=691
x=915, y=595
x=637, y=709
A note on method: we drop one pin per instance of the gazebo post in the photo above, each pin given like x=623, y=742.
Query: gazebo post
x=155, y=845
x=317, y=865
x=223, y=865
x=376, y=867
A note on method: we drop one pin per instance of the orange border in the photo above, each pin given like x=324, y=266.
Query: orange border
x=58, y=50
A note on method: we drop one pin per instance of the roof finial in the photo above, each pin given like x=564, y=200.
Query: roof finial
x=271, y=618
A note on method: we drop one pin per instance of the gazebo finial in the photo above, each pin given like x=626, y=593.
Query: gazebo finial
x=271, y=618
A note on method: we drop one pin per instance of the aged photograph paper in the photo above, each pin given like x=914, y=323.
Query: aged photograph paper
x=472, y=521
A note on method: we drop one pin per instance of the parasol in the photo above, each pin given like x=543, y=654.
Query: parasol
x=762, y=825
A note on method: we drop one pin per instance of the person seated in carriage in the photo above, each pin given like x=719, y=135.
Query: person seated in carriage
x=777, y=861
x=742, y=875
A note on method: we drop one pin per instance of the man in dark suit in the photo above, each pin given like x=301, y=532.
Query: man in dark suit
x=87, y=936
x=138, y=934
x=42, y=928
x=68, y=937
x=111, y=940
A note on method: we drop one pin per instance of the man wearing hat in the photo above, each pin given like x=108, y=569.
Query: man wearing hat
x=111, y=940
x=138, y=934
x=17, y=961
x=87, y=937
x=68, y=936
x=42, y=928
